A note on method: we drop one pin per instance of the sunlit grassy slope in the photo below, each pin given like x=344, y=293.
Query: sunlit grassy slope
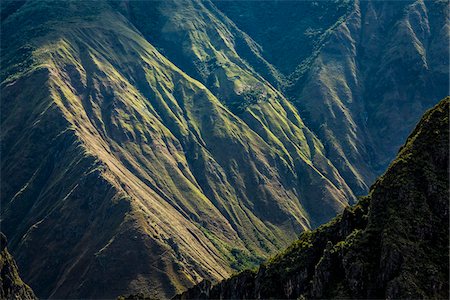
x=119, y=166
x=149, y=144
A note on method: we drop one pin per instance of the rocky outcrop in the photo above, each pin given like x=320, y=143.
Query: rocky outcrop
x=392, y=244
x=11, y=285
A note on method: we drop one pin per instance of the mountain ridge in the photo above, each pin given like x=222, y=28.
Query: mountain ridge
x=111, y=138
x=90, y=107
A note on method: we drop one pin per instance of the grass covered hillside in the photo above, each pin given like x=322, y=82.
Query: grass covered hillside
x=392, y=244
x=119, y=166
x=148, y=145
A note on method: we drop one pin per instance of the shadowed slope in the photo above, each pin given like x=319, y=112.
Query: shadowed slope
x=370, y=80
x=344, y=66
x=392, y=244
x=11, y=285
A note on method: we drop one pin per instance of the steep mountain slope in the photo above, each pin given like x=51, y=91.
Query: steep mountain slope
x=350, y=62
x=361, y=73
x=288, y=32
x=147, y=144
x=371, y=80
x=392, y=244
x=195, y=35
x=118, y=166
x=11, y=285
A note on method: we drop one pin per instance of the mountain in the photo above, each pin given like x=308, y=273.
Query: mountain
x=392, y=244
x=147, y=145
x=361, y=73
x=11, y=285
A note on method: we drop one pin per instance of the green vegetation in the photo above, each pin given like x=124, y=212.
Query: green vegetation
x=11, y=285
x=205, y=191
x=148, y=145
x=391, y=244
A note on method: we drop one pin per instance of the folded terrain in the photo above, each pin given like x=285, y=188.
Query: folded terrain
x=392, y=244
x=119, y=166
x=147, y=145
x=361, y=73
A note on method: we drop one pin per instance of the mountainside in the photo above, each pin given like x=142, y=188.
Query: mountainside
x=392, y=244
x=395, y=69
x=147, y=145
x=134, y=152
x=11, y=285
x=361, y=73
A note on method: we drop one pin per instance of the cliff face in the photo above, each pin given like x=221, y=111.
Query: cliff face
x=391, y=244
x=11, y=285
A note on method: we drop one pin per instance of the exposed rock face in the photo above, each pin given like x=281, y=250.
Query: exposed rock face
x=11, y=285
x=150, y=144
x=392, y=244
